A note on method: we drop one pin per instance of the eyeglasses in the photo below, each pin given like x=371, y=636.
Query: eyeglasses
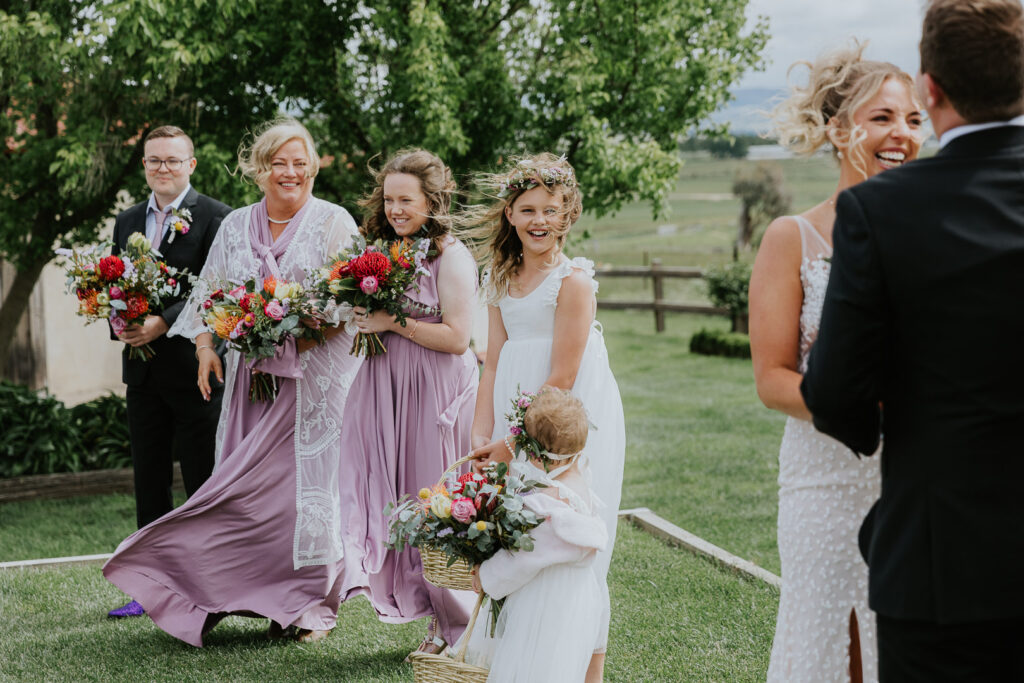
x=154, y=163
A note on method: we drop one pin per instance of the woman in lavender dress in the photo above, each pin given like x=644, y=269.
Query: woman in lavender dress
x=262, y=536
x=412, y=407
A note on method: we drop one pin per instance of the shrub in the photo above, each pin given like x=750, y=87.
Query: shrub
x=42, y=436
x=102, y=425
x=718, y=343
x=728, y=287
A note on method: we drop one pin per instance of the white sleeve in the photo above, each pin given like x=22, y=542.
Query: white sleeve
x=506, y=572
x=216, y=269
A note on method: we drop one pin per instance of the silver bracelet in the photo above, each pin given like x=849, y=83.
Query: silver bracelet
x=200, y=348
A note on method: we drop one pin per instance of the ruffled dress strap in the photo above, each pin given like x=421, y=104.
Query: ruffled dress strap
x=553, y=285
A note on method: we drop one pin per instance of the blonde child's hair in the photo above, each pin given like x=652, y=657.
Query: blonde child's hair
x=838, y=84
x=487, y=230
x=558, y=421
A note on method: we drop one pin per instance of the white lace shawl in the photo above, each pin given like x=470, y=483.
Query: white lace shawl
x=328, y=370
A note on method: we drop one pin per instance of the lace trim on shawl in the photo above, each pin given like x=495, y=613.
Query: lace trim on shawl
x=553, y=284
x=328, y=372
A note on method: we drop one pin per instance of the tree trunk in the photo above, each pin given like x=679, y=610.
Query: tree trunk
x=745, y=229
x=20, y=361
x=741, y=323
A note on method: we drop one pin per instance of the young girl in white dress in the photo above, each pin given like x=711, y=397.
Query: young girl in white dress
x=550, y=624
x=542, y=331
x=825, y=629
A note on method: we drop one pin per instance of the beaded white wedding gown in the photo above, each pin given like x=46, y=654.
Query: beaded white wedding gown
x=825, y=492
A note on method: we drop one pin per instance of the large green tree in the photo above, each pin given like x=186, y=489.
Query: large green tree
x=613, y=84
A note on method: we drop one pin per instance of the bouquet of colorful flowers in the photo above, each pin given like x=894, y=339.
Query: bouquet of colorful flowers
x=468, y=518
x=122, y=289
x=256, y=317
x=374, y=276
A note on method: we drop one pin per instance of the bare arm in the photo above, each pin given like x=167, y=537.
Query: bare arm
x=776, y=297
x=483, y=416
x=573, y=318
x=209, y=362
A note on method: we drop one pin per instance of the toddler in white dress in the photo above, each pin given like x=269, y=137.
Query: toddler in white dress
x=555, y=608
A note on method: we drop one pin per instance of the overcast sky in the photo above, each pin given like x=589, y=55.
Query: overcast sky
x=802, y=29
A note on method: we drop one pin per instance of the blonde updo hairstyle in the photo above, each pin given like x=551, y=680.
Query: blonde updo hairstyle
x=254, y=158
x=436, y=183
x=838, y=84
x=558, y=421
x=494, y=240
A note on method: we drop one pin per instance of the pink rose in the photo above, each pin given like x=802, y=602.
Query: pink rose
x=368, y=284
x=118, y=324
x=184, y=228
x=116, y=292
x=463, y=510
x=274, y=310
x=236, y=293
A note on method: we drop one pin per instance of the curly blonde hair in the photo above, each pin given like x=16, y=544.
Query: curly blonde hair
x=838, y=84
x=436, y=183
x=254, y=157
x=558, y=421
x=487, y=230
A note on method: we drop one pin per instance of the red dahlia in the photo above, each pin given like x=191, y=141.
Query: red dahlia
x=370, y=263
x=110, y=267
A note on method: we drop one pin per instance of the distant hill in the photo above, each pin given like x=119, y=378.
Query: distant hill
x=745, y=113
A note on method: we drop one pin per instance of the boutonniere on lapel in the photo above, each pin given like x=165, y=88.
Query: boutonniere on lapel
x=181, y=221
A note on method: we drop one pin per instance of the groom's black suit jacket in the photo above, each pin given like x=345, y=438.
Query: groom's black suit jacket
x=924, y=313
x=175, y=363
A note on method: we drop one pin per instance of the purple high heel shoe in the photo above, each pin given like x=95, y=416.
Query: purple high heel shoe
x=132, y=609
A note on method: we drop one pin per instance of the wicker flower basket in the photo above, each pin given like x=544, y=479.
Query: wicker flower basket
x=435, y=562
x=436, y=571
x=428, y=668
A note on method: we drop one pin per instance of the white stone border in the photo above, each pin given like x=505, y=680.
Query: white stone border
x=56, y=562
x=669, y=532
x=641, y=517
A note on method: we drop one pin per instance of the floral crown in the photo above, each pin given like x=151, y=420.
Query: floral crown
x=525, y=178
x=519, y=440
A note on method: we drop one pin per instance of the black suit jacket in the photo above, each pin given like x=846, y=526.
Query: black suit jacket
x=924, y=313
x=175, y=363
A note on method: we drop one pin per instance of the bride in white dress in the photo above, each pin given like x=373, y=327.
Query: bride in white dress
x=542, y=330
x=825, y=630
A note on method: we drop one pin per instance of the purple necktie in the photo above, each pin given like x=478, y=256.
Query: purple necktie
x=161, y=217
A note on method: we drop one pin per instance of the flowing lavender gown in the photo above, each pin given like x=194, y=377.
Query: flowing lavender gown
x=409, y=418
x=262, y=535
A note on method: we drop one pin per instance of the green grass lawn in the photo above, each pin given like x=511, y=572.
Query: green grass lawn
x=701, y=452
x=676, y=617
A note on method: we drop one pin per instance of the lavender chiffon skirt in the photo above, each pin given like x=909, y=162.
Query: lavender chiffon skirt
x=408, y=417
x=229, y=547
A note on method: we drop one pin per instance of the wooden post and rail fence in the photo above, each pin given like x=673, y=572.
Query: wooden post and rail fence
x=657, y=273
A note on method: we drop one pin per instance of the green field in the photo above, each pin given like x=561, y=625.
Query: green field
x=701, y=452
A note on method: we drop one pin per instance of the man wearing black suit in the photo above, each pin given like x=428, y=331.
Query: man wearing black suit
x=924, y=323
x=167, y=417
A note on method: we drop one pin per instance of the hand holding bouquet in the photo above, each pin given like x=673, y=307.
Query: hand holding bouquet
x=374, y=276
x=468, y=518
x=122, y=289
x=257, y=318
